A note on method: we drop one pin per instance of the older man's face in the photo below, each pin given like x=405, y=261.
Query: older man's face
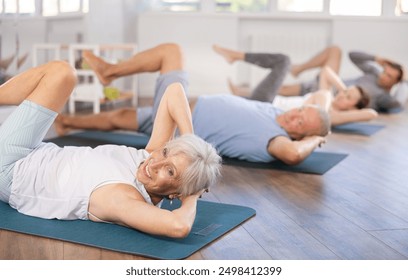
x=302, y=121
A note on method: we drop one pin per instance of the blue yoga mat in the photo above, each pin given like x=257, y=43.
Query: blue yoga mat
x=212, y=221
x=358, y=128
x=93, y=138
x=317, y=163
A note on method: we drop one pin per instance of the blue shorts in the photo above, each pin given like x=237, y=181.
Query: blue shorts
x=22, y=132
x=146, y=115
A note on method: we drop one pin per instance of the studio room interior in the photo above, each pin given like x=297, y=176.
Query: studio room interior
x=203, y=130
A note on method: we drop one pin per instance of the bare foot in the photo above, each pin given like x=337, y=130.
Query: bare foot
x=295, y=70
x=98, y=65
x=238, y=90
x=59, y=126
x=229, y=55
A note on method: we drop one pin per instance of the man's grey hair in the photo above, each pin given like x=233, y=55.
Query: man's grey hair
x=204, y=163
x=325, y=122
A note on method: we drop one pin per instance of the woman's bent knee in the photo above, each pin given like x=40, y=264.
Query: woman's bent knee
x=64, y=70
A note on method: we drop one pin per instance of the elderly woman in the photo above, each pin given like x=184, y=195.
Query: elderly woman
x=114, y=184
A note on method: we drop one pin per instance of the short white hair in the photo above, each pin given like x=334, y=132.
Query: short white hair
x=204, y=163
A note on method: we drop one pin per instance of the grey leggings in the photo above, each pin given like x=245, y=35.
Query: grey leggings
x=279, y=64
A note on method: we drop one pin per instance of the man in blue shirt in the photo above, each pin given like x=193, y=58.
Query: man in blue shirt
x=237, y=127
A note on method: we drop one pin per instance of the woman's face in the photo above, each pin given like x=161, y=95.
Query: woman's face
x=347, y=99
x=161, y=172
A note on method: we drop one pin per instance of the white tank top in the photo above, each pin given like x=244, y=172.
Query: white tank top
x=54, y=182
x=286, y=103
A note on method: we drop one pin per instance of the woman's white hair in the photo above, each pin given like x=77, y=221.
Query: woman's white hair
x=204, y=163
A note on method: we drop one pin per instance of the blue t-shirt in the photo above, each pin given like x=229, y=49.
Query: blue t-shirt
x=237, y=127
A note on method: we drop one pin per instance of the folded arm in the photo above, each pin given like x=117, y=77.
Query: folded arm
x=173, y=112
x=329, y=79
x=123, y=204
x=365, y=62
x=293, y=152
x=361, y=115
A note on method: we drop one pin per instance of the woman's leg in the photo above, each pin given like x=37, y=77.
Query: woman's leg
x=267, y=89
x=163, y=58
x=124, y=118
x=151, y=60
x=330, y=56
x=279, y=64
x=40, y=92
x=48, y=85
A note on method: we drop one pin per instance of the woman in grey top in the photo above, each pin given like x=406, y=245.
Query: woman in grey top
x=182, y=168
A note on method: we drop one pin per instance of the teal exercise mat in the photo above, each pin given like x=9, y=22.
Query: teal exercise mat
x=212, y=221
x=94, y=138
x=317, y=163
x=365, y=129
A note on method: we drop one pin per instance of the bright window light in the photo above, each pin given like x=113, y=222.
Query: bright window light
x=300, y=5
x=50, y=8
x=179, y=5
x=10, y=6
x=26, y=6
x=356, y=7
x=70, y=6
x=242, y=5
x=401, y=7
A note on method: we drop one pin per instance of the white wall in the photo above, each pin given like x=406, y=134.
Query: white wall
x=385, y=36
x=196, y=35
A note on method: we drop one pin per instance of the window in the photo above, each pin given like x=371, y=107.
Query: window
x=401, y=7
x=356, y=7
x=300, y=5
x=56, y=7
x=177, y=5
x=242, y=5
x=10, y=6
x=17, y=6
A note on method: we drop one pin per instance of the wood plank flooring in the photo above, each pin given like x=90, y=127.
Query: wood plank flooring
x=357, y=210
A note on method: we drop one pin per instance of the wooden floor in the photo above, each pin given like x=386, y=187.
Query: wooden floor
x=357, y=210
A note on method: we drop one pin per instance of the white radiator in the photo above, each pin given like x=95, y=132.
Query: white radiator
x=299, y=47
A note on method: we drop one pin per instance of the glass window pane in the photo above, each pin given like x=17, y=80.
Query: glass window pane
x=402, y=7
x=1, y=6
x=85, y=6
x=177, y=5
x=27, y=6
x=300, y=5
x=50, y=7
x=10, y=6
x=356, y=7
x=69, y=6
x=242, y=5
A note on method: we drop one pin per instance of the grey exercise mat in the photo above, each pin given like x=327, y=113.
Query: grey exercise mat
x=212, y=221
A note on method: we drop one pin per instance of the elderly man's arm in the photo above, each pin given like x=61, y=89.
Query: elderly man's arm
x=293, y=152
